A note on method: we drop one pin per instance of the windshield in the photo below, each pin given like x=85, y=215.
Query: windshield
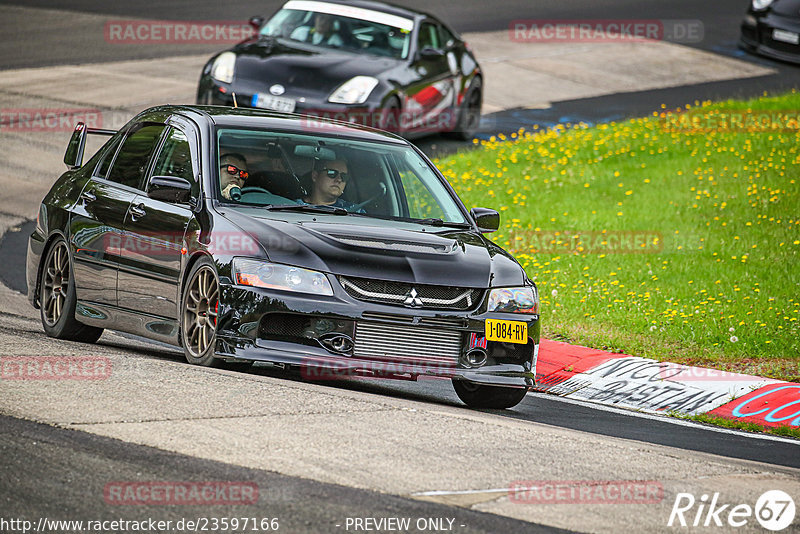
x=342, y=27
x=289, y=171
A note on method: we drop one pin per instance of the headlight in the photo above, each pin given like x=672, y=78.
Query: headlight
x=761, y=4
x=514, y=300
x=354, y=91
x=257, y=273
x=222, y=69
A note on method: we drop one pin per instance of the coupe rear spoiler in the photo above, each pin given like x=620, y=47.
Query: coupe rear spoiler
x=77, y=143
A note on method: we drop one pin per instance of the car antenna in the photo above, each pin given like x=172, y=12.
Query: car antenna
x=234, y=100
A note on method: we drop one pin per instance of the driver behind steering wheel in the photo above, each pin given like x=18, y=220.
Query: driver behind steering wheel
x=232, y=175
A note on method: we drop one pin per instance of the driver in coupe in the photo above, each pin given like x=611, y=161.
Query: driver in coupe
x=323, y=32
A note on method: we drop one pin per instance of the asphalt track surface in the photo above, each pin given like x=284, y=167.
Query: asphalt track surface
x=54, y=472
x=58, y=474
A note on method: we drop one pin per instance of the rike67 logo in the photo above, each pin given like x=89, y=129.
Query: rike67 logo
x=774, y=510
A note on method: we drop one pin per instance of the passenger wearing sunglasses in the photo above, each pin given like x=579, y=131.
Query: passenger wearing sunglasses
x=232, y=175
x=328, y=180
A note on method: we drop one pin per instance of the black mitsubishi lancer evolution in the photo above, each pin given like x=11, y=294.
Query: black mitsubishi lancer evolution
x=246, y=235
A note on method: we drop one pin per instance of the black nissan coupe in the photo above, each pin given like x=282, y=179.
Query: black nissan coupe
x=358, y=61
x=247, y=236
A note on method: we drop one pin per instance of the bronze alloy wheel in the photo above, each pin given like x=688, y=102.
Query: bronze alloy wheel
x=200, y=309
x=57, y=299
x=55, y=284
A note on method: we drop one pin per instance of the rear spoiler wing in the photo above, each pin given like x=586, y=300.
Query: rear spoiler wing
x=73, y=157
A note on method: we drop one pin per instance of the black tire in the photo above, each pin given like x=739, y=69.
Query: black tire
x=57, y=297
x=469, y=117
x=198, y=317
x=494, y=397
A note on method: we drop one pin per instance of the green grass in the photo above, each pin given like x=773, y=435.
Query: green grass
x=783, y=430
x=717, y=281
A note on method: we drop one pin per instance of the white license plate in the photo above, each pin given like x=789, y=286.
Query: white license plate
x=275, y=103
x=786, y=37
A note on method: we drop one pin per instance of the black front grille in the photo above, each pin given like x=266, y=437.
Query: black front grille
x=510, y=352
x=297, y=328
x=412, y=295
x=781, y=46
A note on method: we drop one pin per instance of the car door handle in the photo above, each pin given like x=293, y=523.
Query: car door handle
x=88, y=196
x=137, y=211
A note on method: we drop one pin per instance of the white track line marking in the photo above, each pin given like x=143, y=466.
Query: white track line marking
x=437, y=493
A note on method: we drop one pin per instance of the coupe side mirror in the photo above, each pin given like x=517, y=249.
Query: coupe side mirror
x=73, y=157
x=488, y=220
x=169, y=189
x=256, y=22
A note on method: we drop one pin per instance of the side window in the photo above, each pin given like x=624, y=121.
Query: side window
x=108, y=155
x=420, y=201
x=428, y=36
x=448, y=39
x=134, y=155
x=175, y=159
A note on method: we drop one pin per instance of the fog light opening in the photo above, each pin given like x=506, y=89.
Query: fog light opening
x=336, y=342
x=475, y=357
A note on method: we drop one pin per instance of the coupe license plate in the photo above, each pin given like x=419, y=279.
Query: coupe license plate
x=786, y=37
x=506, y=331
x=275, y=103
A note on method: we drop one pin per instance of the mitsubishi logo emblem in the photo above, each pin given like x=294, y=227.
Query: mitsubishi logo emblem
x=413, y=301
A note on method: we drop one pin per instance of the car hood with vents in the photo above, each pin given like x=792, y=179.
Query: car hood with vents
x=303, y=70
x=363, y=247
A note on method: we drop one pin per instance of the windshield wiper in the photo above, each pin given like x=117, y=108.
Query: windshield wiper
x=311, y=208
x=439, y=222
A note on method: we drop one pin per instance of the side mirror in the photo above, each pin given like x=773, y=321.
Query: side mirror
x=430, y=53
x=73, y=157
x=169, y=189
x=488, y=220
x=256, y=22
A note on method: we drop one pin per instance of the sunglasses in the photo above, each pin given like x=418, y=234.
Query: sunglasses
x=234, y=170
x=334, y=174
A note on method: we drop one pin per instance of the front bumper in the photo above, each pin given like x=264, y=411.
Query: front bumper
x=367, y=114
x=246, y=332
x=757, y=36
x=36, y=243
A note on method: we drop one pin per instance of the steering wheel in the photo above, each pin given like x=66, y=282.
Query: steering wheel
x=375, y=197
x=236, y=192
x=254, y=189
